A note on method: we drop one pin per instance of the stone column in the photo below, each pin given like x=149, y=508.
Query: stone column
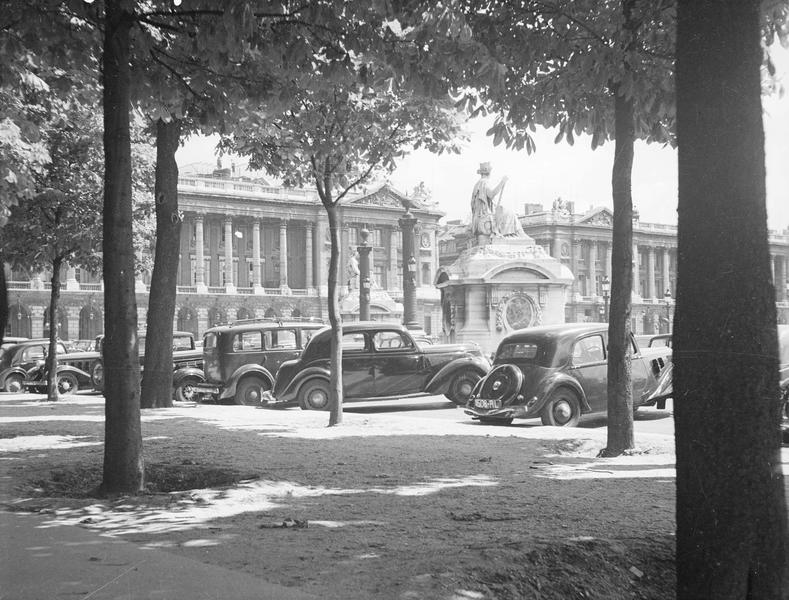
x=257, y=276
x=364, y=276
x=229, y=287
x=556, y=248
x=607, y=265
x=592, y=270
x=283, y=256
x=636, y=270
x=309, y=257
x=321, y=278
x=666, y=271
x=651, y=288
x=782, y=292
x=71, y=278
x=393, y=262
x=772, y=269
x=200, y=283
x=407, y=223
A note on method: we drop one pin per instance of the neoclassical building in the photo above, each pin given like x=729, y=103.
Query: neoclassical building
x=582, y=241
x=250, y=249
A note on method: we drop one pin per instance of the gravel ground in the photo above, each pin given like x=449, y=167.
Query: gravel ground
x=383, y=506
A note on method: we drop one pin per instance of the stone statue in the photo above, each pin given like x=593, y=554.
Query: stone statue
x=507, y=224
x=483, y=222
x=352, y=270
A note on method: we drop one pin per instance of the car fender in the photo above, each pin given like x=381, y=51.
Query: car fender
x=554, y=381
x=82, y=376
x=11, y=371
x=292, y=390
x=441, y=381
x=180, y=374
x=229, y=390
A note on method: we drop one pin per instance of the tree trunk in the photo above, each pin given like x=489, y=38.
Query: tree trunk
x=620, y=390
x=3, y=301
x=123, y=461
x=731, y=509
x=52, y=356
x=157, y=383
x=335, y=319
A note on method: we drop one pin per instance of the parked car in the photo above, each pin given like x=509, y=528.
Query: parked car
x=655, y=340
x=379, y=361
x=557, y=373
x=17, y=359
x=242, y=359
x=187, y=364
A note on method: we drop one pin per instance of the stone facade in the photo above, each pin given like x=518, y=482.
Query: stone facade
x=250, y=249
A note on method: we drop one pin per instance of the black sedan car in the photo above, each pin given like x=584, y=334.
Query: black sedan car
x=558, y=372
x=379, y=361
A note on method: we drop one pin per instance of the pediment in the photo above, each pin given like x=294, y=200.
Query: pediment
x=599, y=216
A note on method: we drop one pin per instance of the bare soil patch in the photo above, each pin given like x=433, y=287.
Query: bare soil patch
x=383, y=506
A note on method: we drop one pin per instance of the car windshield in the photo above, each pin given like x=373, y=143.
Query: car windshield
x=533, y=352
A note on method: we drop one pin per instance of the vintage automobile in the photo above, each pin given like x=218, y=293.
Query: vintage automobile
x=557, y=373
x=187, y=364
x=18, y=360
x=665, y=387
x=379, y=361
x=241, y=359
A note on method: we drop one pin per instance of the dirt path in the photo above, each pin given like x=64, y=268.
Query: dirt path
x=381, y=507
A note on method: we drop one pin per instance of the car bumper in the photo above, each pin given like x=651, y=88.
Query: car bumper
x=505, y=412
x=35, y=387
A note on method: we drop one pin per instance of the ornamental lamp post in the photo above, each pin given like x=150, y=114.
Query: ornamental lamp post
x=407, y=223
x=667, y=298
x=364, y=276
x=606, y=285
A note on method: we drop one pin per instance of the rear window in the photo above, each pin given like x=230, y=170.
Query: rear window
x=527, y=352
x=209, y=341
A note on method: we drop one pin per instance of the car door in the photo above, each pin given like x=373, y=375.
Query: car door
x=639, y=374
x=358, y=366
x=280, y=344
x=398, y=365
x=589, y=366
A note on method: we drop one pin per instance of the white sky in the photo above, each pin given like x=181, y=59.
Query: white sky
x=574, y=173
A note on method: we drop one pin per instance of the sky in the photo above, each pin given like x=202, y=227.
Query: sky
x=575, y=173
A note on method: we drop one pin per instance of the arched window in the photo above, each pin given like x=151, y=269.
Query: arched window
x=91, y=322
x=243, y=313
x=187, y=320
x=295, y=313
x=271, y=313
x=19, y=321
x=216, y=316
x=426, y=279
x=62, y=324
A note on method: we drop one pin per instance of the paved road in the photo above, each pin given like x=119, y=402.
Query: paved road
x=647, y=420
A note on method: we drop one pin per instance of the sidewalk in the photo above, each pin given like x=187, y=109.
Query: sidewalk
x=40, y=561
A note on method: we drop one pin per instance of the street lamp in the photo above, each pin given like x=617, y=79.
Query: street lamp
x=606, y=285
x=412, y=269
x=667, y=298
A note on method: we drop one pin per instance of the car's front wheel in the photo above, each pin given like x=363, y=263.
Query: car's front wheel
x=97, y=376
x=185, y=391
x=250, y=390
x=13, y=383
x=314, y=395
x=67, y=383
x=461, y=387
x=563, y=409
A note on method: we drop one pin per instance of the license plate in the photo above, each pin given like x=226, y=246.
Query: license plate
x=484, y=403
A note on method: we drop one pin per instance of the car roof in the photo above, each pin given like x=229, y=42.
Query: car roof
x=559, y=331
x=265, y=323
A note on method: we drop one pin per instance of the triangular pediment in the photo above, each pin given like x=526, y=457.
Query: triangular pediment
x=598, y=216
x=384, y=196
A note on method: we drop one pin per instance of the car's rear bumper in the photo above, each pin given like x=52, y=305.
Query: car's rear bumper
x=505, y=412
